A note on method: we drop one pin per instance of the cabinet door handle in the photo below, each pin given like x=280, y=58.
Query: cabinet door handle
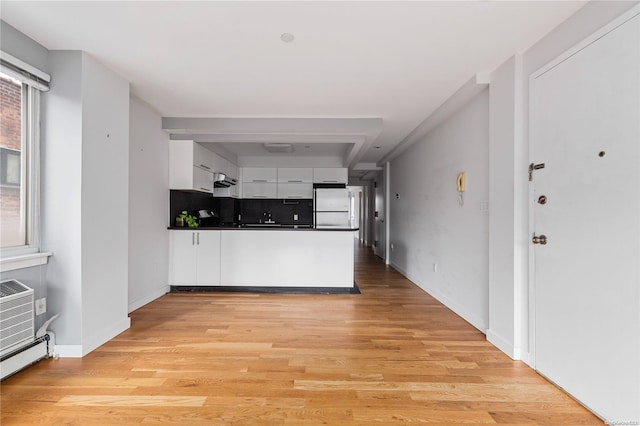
x=259, y=180
x=295, y=181
x=198, y=238
x=294, y=196
x=205, y=167
x=193, y=238
x=259, y=196
x=330, y=181
x=205, y=189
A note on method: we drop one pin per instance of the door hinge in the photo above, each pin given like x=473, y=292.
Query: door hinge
x=533, y=167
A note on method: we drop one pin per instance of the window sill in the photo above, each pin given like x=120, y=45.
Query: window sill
x=24, y=261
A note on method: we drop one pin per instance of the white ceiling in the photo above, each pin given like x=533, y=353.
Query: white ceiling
x=389, y=60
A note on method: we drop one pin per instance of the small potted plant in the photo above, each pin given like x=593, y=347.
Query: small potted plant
x=190, y=220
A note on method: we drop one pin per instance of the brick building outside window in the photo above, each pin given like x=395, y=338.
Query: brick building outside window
x=12, y=205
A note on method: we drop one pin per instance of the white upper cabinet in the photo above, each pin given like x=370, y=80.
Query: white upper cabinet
x=295, y=175
x=295, y=190
x=232, y=170
x=202, y=157
x=259, y=190
x=202, y=180
x=186, y=159
x=220, y=164
x=259, y=174
x=330, y=175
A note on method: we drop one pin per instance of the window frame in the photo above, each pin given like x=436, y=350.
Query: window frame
x=29, y=175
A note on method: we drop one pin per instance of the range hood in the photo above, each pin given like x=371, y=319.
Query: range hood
x=221, y=180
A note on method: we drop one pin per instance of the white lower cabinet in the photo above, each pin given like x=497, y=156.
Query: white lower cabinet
x=195, y=258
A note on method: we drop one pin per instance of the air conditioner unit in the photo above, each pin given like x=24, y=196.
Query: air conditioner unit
x=16, y=316
x=20, y=346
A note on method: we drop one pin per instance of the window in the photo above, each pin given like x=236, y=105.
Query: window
x=13, y=202
x=20, y=86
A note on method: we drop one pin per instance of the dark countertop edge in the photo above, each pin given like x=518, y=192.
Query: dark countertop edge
x=278, y=290
x=213, y=228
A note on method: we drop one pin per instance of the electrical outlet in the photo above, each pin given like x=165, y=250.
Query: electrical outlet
x=295, y=217
x=41, y=306
x=391, y=246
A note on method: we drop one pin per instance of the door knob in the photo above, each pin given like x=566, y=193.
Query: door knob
x=542, y=239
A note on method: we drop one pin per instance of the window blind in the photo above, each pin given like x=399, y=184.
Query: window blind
x=24, y=72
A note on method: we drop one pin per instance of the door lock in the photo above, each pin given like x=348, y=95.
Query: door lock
x=542, y=199
x=542, y=239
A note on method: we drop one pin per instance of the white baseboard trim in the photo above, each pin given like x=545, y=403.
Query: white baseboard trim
x=159, y=292
x=527, y=359
x=504, y=345
x=460, y=310
x=68, y=351
x=101, y=337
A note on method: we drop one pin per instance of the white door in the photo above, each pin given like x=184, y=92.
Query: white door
x=585, y=128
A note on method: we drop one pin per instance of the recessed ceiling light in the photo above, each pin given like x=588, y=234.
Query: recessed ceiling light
x=287, y=37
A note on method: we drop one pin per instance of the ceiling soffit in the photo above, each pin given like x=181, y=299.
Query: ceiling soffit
x=356, y=134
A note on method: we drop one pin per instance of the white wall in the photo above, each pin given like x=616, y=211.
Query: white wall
x=85, y=156
x=427, y=223
x=61, y=185
x=105, y=203
x=148, y=205
x=506, y=242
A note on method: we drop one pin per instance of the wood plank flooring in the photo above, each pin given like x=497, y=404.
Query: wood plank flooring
x=390, y=355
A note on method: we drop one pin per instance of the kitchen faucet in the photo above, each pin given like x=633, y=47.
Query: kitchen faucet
x=268, y=216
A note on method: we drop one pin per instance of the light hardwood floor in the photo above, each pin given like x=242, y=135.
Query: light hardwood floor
x=390, y=355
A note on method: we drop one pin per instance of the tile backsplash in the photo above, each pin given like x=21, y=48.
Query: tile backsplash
x=282, y=211
x=251, y=211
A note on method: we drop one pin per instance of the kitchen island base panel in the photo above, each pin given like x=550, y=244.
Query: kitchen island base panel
x=287, y=259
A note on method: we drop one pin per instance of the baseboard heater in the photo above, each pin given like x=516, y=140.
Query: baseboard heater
x=19, y=347
x=21, y=358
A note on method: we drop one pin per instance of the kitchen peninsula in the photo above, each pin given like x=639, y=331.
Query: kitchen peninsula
x=243, y=257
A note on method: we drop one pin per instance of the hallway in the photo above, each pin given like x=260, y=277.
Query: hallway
x=392, y=354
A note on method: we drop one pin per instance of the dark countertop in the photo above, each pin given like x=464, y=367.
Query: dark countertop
x=258, y=228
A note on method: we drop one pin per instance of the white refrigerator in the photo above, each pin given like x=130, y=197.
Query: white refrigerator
x=331, y=208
